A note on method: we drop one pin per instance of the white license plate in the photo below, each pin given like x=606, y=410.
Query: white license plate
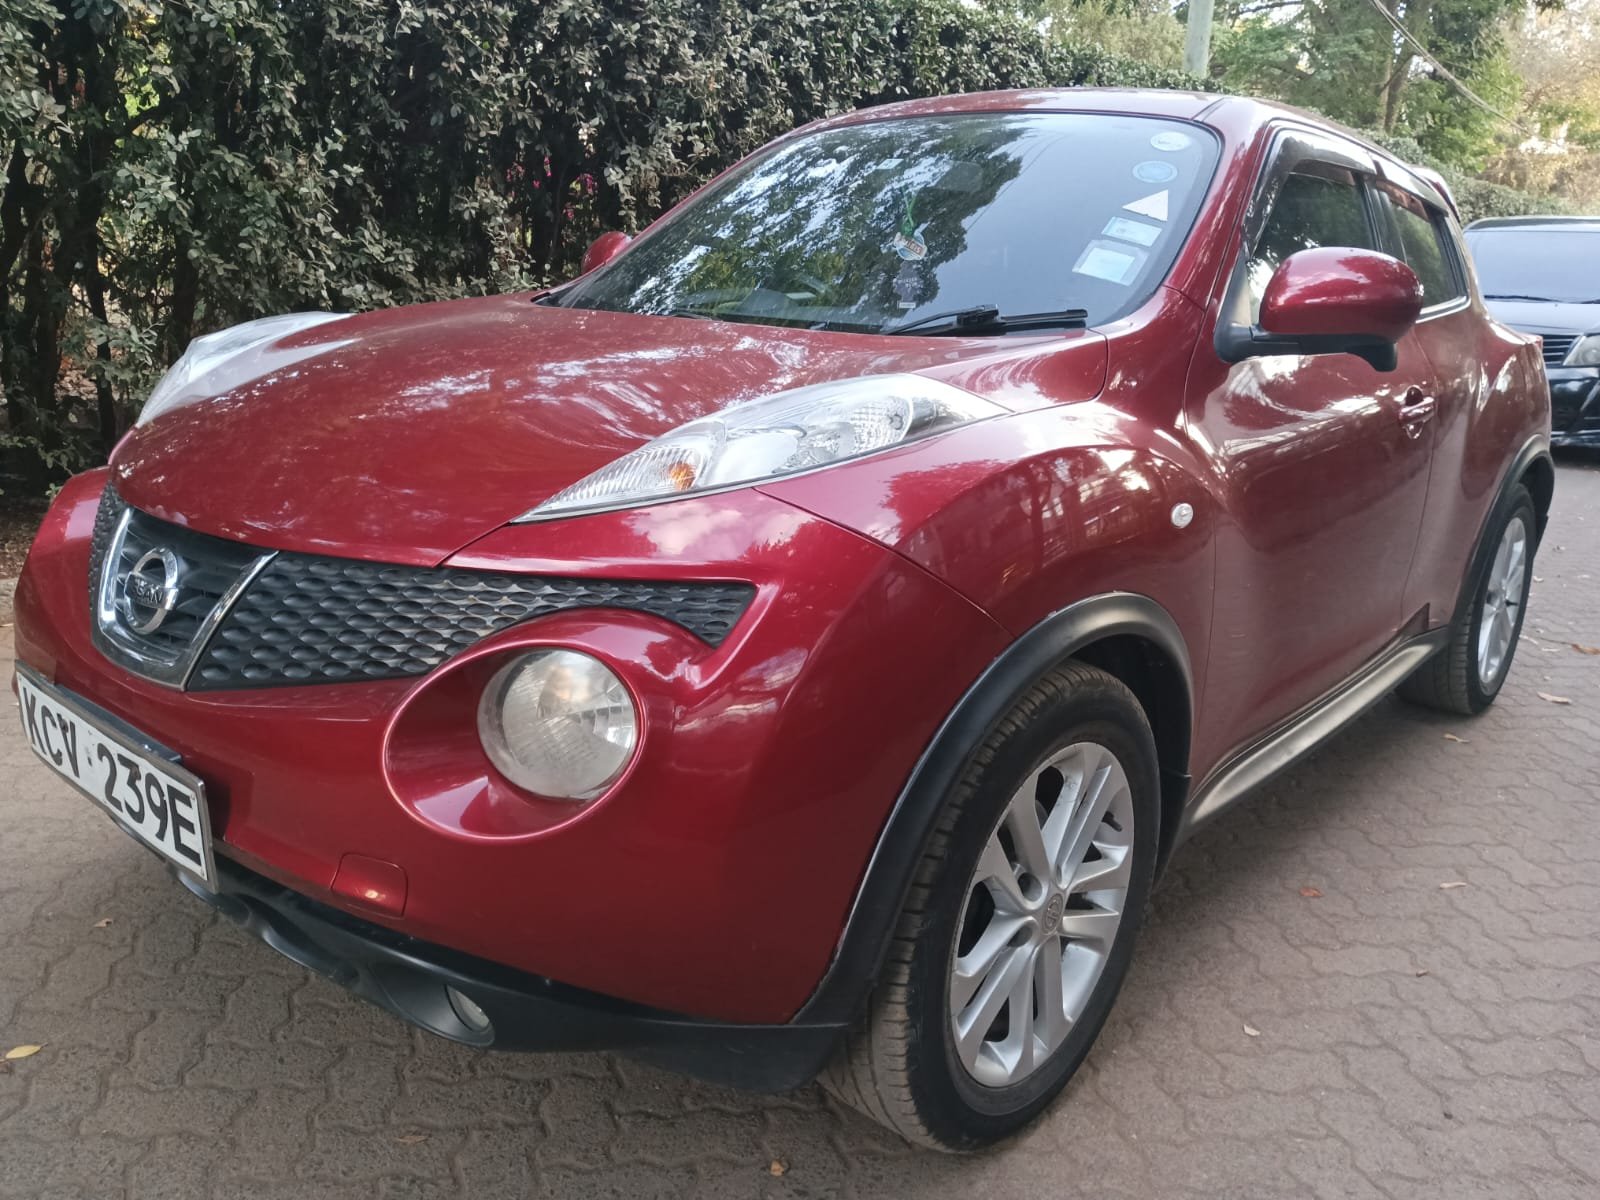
x=135, y=780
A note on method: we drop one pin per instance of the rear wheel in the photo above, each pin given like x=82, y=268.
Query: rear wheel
x=1020, y=924
x=1466, y=676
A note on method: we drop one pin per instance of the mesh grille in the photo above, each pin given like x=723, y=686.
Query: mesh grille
x=1556, y=348
x=207, y=568
x=105, y=524
x=309, y=619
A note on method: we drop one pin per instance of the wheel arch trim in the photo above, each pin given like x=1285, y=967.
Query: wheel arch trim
x=888, y=877
x=1535, y=454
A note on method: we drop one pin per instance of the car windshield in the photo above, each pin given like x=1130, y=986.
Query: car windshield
x=1537, y=264
x=872, y=227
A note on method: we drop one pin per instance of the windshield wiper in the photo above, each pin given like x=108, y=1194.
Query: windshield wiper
x=1510, y=296
x=986, y=318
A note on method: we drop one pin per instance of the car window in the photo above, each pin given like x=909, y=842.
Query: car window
x=1422, y=244
x=1324, y=208
x=1537, y=263
x=868, y=227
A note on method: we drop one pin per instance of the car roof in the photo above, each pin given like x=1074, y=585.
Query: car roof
x=1574, y=224
x=1207, y=108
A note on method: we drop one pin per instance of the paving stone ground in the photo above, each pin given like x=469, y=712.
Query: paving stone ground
x=1386, y=1037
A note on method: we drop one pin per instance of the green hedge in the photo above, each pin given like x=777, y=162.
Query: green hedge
x=174, y=168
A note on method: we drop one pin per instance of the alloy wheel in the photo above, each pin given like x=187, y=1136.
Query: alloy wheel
x=1041, y=914
x=1503, y=596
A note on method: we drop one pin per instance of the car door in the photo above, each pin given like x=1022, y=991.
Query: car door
x=1463, y=353
x=1321, y=472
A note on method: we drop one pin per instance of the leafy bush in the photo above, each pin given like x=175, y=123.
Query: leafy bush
x=173, y=168
x=1477, y=198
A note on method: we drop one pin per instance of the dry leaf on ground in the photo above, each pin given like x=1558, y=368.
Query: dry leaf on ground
x=1582, y=649
x=1251, y=1031
x=411, y=1139
x=1552, y=699
x=778, y=1167
x=22, y=1052
x=1450, y=737
x=1310, y=893
x=1454, y=883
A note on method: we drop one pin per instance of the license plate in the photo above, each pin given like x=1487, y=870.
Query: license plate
x=134, y=779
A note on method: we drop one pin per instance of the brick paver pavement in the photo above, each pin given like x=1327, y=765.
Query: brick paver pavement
x=1388, y=1037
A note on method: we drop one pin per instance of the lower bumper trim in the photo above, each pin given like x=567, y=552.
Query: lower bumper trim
x=413, y=980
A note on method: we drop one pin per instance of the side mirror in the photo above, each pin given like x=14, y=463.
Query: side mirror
x=603, y=249
x=1333, y=300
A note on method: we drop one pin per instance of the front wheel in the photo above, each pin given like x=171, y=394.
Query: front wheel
x=1020, y=923
x=1467, y=675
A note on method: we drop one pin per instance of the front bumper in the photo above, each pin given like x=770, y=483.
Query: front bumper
x=410, y=978
x=1575, y=406
x=714, y=880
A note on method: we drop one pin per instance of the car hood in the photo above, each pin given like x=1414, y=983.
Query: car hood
x=1539, y=316
x=404, y=435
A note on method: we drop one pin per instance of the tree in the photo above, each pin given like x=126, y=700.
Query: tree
x=1344, y=58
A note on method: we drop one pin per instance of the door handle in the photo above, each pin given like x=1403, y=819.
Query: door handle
x=1415, y=411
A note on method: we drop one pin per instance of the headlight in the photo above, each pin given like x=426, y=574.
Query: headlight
x=781, y=434
x=1585, y=352
x=207, y=353
x=558, y=723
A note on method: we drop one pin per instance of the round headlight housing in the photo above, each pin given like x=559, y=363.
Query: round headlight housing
x=558, y=723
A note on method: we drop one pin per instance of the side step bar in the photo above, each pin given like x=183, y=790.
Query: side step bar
x=1301, y=734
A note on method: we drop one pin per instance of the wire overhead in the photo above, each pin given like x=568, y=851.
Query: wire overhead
x=1423, y=53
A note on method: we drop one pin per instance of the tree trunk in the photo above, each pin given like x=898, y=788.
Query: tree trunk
x=1414, y=16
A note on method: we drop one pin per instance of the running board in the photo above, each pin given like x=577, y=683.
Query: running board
x=1251, y=768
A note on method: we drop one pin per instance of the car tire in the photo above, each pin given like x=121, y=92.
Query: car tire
x=1468, y=673
x=903, y=1064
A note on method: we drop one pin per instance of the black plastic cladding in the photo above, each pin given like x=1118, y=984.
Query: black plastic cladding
x=313, y=619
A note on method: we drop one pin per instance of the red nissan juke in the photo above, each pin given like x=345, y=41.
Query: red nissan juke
x=795, y=646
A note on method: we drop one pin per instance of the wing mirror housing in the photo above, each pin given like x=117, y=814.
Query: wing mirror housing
x=603, y=249
x=1331, y=300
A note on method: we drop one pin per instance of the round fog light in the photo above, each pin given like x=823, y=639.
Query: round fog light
x=466, y=1008
x=558, y=723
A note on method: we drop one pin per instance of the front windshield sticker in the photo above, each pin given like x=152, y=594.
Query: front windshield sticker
x=1171, y=141
x=1131, y=231
x=1108, y=261
x=1155, y=171
x=906, y=243
x=907, y=284
x=1153, y=206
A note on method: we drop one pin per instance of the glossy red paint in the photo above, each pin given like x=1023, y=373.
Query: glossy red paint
x=1325, y=523
x=411, y=432
x=603, y=249
x=1332, y=291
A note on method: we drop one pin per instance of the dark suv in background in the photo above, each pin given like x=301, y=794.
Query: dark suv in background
x=1542, y=275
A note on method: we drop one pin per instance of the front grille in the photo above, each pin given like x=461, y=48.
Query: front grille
x=309, y=619
x=305, y=618
x=1556, y=348
x=208, y=568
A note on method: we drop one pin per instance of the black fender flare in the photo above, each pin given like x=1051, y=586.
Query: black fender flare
x=845, y=986
x=1535, y=449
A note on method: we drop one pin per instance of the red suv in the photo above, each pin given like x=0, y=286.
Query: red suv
x=795, y=646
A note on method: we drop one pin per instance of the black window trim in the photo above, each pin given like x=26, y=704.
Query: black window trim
x=1291, y=148
x=1443, y=229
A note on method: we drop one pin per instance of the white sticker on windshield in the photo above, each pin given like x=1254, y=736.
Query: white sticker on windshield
x=1171, y=141
x=1132, y=231
x=1155, y=170
x=1115, y=264
x=1153, y=206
